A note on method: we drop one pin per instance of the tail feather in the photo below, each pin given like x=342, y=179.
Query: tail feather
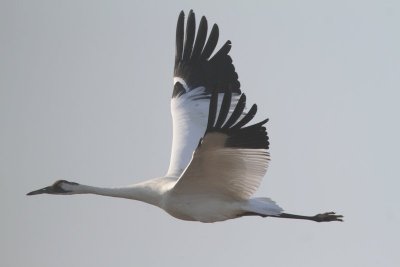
x=263, y=206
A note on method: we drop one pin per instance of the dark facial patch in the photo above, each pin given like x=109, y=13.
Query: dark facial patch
x=57, y=189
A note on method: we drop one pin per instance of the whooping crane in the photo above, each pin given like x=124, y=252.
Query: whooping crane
x=217, y=162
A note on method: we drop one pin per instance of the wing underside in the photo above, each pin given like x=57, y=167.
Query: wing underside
x=198, y=72
x=231, y=159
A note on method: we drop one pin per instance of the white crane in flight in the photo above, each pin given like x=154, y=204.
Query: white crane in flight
x=217, y=162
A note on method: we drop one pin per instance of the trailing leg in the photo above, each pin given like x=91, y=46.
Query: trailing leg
x=322, y=217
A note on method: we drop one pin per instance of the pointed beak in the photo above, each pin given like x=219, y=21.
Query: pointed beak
x=46, y=190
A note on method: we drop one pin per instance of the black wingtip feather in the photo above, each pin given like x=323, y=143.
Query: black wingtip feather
x=253, y=136
x=224, y=110
x=179, y=37
x=248, y=117
x=241, y=104
x=212, y=112
x=223, y=51
x=211, y=42
x=189, y=39
x=200, y=38
x=192, y=60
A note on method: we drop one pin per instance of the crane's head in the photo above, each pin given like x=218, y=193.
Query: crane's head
x=60, y=187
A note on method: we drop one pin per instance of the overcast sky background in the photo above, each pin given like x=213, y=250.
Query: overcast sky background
x=84, y=96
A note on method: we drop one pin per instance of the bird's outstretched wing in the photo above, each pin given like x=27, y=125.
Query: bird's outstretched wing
x=231, y=160
x=197, y=74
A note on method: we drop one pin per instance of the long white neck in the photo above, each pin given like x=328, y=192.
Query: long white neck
x=149, y=192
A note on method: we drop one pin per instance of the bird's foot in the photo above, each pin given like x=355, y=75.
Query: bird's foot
x=328, y=217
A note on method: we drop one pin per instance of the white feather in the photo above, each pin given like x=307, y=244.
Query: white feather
x=227, y=172
x=189, y=122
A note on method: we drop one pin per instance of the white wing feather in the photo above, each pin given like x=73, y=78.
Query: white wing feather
x=224, y=172
x=189, y=119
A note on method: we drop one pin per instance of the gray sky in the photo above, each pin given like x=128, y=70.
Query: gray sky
x=84, y=96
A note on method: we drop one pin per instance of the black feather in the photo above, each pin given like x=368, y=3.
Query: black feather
x=211, y=43
x=189, y=39
x=223, y=51
x=179, y=38
x=192, y=59
x=200, y=38
x=241, y=104
x=212, y=112
x=250, y=137
x=248, y=117
x=178, y=90
x=224, y=110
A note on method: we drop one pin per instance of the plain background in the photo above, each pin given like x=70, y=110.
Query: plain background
x=84, y=96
